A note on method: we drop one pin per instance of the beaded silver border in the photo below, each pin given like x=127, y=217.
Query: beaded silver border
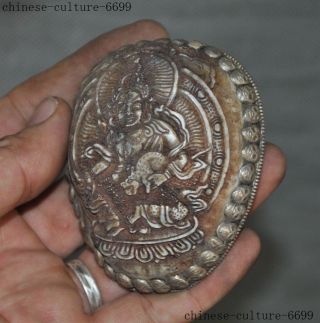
x=243, y=195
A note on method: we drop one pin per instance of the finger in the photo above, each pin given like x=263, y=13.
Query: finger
x=12, y=120
x=109, y=289
x=16, y=234
x=174, y=307
x=63, y=79
x=35, y=285
x=66, y=76
x=31, y=159
x=51, y=217
x=273, y=172
x=3, y=320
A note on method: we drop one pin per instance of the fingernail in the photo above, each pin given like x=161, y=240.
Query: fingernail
x=44, y=110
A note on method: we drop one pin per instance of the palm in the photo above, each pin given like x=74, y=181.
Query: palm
x=38, y=228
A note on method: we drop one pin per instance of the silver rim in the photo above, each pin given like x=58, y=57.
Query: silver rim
x=241, y=199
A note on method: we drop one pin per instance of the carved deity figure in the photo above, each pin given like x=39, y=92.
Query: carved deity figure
x=150, y=151
x=140, y=132
x=143, y=133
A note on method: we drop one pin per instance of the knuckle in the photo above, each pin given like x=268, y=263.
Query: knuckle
x=9, y=155
x=13, y=143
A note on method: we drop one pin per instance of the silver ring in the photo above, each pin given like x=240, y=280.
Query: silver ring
x=88, y=285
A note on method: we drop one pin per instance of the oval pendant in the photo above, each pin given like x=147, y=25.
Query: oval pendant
x=165, y=154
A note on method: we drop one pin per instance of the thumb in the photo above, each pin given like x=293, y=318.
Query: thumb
x=31, y=159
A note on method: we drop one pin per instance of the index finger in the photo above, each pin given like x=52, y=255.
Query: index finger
x=63, y=79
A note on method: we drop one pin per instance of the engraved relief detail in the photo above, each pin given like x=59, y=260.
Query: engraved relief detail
x=155, y=143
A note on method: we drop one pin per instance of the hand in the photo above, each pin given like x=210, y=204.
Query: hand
x=38, y=227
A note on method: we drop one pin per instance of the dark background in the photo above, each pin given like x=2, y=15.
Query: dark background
x=279, y=43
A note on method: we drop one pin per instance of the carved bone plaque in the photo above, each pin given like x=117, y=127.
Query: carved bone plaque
x=165, y=154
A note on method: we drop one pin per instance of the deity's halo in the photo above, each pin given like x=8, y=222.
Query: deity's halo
x=152, y=74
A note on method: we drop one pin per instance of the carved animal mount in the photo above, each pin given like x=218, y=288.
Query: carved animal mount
x=149, y=164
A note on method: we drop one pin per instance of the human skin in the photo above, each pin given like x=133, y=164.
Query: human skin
x=38, y=228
